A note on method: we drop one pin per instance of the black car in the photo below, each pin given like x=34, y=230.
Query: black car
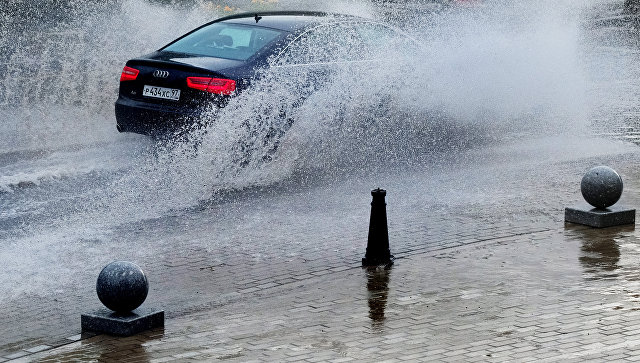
x=169, y=88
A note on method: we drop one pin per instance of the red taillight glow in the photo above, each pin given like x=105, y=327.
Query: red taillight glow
x=129, y=74
x=214, y=85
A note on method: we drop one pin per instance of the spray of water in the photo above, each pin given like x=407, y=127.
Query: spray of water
x=483, y=72
x=477, y=73
x=484, y=67
x=61, y=62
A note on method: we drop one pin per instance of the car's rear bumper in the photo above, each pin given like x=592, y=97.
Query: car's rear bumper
x=150, y=119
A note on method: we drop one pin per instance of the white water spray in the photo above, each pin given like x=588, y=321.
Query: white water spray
x=483, y=73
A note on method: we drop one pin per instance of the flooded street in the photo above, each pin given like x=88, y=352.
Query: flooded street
x=491, y=127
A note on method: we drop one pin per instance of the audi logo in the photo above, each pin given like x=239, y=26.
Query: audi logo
x=160, y=74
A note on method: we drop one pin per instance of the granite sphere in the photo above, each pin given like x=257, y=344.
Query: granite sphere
x=122, y=286
x=601, y=187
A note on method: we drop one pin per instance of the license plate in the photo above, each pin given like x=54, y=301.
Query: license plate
x=161, y=92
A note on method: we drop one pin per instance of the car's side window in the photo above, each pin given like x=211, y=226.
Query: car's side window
x=324, y=44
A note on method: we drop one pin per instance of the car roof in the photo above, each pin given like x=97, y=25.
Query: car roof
x=290, y=21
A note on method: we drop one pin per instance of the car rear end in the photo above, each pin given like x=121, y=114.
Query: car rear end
x=160, y=95
x=169, y=88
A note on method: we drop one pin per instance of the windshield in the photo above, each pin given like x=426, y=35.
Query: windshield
x=230, y=41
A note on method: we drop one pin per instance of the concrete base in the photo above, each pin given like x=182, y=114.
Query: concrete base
x=600, y=218
x=123, y=324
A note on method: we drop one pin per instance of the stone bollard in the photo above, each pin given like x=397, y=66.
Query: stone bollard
x=122, y=287
x=601, y=187
x=378, y=240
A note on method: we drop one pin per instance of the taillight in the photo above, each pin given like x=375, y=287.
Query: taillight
x=214, y=85
x=129, y=74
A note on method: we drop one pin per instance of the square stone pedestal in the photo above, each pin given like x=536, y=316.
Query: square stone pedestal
x=123, y=324
x=600, y=218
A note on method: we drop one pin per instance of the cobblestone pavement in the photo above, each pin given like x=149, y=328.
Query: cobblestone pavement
x=481, y=274
x=569, y=294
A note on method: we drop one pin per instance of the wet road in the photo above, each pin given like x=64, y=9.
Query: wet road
x=76, y=195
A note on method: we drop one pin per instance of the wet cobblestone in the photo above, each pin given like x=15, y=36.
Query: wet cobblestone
x=498, y=301
x=494, y=280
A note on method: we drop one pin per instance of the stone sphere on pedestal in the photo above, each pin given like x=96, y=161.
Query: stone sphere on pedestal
x=601, y=187
x=122, y=286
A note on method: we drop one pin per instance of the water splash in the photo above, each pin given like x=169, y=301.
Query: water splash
x=69, y=181
x=480, y=73
x=486, y=69
x=61, y=63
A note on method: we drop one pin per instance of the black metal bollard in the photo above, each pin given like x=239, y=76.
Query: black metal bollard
x=378, y=241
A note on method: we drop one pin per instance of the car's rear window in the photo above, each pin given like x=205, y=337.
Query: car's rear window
x=231, y=41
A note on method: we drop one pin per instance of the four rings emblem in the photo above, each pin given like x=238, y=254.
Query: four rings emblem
x=160, y=74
